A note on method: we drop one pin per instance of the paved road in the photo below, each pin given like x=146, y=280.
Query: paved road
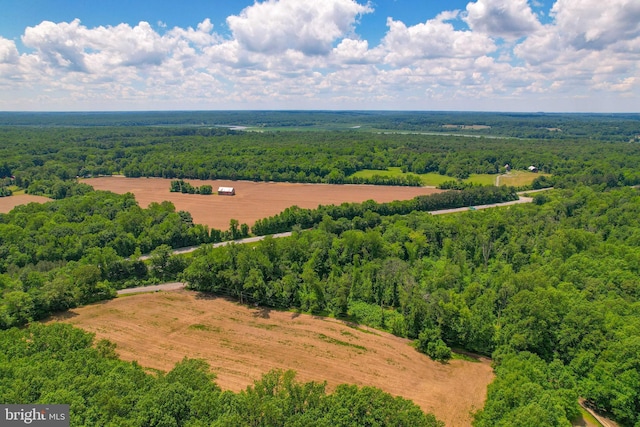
x=217, y=245
x=153, y=288
x=522, y=199
x=186, y=250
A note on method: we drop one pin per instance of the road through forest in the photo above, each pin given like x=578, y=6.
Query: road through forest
x=177, y=285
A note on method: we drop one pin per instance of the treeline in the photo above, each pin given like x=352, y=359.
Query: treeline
x=61, y=364
x=181, y=186
x=550, y=290
x=47, y=161
x=367, y=214
x=64, y=230
x=605, y=127
x=5, y=182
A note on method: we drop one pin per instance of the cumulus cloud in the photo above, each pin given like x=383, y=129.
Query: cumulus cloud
x=509, y=19
x=59, y=45
x=8, y=52
x=432, y=39
x=592, y=42
x=283, y=54
x=353, y=51
x=596, y=24
x=74, y=47
x=310, y=27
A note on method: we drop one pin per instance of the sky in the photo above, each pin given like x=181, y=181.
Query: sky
x=481, y=55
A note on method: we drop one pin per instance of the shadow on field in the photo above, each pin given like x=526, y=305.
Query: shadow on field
x=61, y=316
x=210, y=296
x=262, y=312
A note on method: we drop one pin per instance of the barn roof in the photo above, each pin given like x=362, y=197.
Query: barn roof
x=225, y=189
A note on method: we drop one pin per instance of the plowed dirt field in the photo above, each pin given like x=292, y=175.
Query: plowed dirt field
x=241, y=343
x=253, y=200
x=8, y=203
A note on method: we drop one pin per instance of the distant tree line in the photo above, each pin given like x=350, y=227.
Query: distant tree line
x=602, y=127
x=48, y=161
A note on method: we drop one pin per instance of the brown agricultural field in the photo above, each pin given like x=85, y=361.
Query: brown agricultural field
x=253, y=200
x=8, y=203
x=242, y=343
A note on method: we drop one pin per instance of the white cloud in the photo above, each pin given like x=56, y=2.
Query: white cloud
x=58, y=45
x=280, y=54
x=435, y=38
x=352, y=51
x=596, y=24
x=310, y=27
x=8, y=52
x=589, y=47
x=509, y=19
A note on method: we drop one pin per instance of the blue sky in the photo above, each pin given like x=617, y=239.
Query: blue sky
x=495, y=55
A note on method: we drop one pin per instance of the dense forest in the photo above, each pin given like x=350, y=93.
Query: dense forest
x=549, y=290
x=604, y=127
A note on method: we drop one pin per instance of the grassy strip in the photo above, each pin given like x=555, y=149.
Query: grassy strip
x=330, y=340
x=514, y=178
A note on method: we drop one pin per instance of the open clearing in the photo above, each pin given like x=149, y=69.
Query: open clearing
x=253, y=200
x=241, y=343
x=8, y=203
x=513, y=178
x=520, y=178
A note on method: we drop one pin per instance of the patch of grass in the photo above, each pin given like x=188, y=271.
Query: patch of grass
x=133, y=294
x=355, y=326
x=586, y=417
x=482, y=179
x=520, y=178
x=347, y=333
x=433, y=179
x=201, y=327
x=370, y=173
x=17, y=191
x=462, y=356
x=330, y=340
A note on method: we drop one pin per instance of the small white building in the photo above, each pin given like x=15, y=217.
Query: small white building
x=226, y=191
x=532, y=169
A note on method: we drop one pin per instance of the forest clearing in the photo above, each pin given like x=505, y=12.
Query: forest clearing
x=253, y=200
x=241, y=344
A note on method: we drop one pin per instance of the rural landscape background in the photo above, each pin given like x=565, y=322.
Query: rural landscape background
x=519, y=307
x=320, y=213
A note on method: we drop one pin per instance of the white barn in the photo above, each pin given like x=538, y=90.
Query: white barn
x=226, y=191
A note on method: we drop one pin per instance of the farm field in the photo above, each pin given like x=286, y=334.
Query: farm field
x=520, y=178
x=253, y=200
x=240, y=344
x=8, y=203
x=428, y=179
x=513, y=178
